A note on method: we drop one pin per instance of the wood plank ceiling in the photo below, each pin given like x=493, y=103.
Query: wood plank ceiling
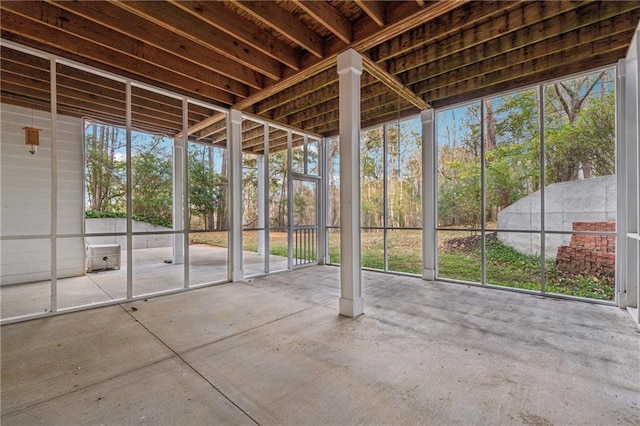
x=276, y=59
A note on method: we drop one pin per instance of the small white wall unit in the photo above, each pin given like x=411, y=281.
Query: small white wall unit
x=25, y=197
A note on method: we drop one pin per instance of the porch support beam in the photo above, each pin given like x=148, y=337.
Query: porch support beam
x=349, y=71
x=428, y=195
x=235, y=193
x=262, y=202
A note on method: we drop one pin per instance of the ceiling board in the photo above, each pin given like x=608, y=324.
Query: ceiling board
x=277, y=59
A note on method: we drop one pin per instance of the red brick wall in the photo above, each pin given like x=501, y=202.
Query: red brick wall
x=593, y=255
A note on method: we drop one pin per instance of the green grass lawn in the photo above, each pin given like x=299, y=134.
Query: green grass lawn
x=505, y=266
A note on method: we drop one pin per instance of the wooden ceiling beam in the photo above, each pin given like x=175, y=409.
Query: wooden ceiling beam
x=369, y=86
x=82, y=104
x=221, y=17
x=278, y=140
x=12, y=73
x=563, y=62
x=326, y=92
x=132, y=25
x=553, y=72
x=526, y=45
x=95, y=87
x=375, y=10
x=74, y=83
x=210, y=130
x=454, y=21
x=369, y=89
x=535, y=21
x=38, y=90
x=286, y=83
x=200, y=94
x=401, y=17
x=310, y=100
x=586, y=39
x=272, y=15
x=285, y=98
x=393, y=83
x=329, y=17
x=186, y=25
x=329, y=128
x=44, y=29
x=207, y=122
x=255, y=138
x=371, y=93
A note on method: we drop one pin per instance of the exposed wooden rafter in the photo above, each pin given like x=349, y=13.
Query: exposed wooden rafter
x=375, y=10
x=329, y=17
x=272, y=15
x=393, y=83
x=119, y=20
x=219, y=16
x=177, y=20
x=276, y=60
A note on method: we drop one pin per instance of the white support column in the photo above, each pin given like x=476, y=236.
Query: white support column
x=235, y=193
x=621, y=176
x=54, y=184
x=179, y=147
x=349, y=70
x=262, y=204
x=323, y=197
x=178, y=218
x=429, y=183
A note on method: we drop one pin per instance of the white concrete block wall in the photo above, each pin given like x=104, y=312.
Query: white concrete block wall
x=589, y=200
x=113, y=225
x=25, y=196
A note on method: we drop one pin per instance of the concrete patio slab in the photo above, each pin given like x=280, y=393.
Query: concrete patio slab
x=165, y=393
x=49, y=357
x=201, y=316
x=276, y=350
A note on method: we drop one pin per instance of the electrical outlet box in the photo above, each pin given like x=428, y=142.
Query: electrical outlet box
x=101, y=257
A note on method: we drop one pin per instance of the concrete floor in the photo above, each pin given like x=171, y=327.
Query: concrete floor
x=150, y=275
x=274, y=351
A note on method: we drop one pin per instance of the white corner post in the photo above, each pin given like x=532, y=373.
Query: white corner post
x=323, y=198
x=349, y=70
x=429, y=251
x=262, y=203
x=178, y=218
x=235, y=193
x=179, y=147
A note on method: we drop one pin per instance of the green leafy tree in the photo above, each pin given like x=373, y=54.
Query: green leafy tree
x=105, y=167
x=580, y=127
x=207, y=188
x=151, y=186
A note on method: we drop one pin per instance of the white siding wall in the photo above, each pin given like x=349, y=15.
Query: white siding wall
x=25, y=197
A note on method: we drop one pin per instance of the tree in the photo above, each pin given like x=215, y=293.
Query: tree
x=579, y=142
x=580, y=135
x=152, y=180
x=105, y=167
x=207, y=187
x=371, y=177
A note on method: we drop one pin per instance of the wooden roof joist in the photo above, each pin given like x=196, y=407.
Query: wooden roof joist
x=100, y=43
x=453, y=21
x=537, y=71
x=511, y=45
x=276, y=60
x=118, y=19
x=272, y=15
x=185, y=24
